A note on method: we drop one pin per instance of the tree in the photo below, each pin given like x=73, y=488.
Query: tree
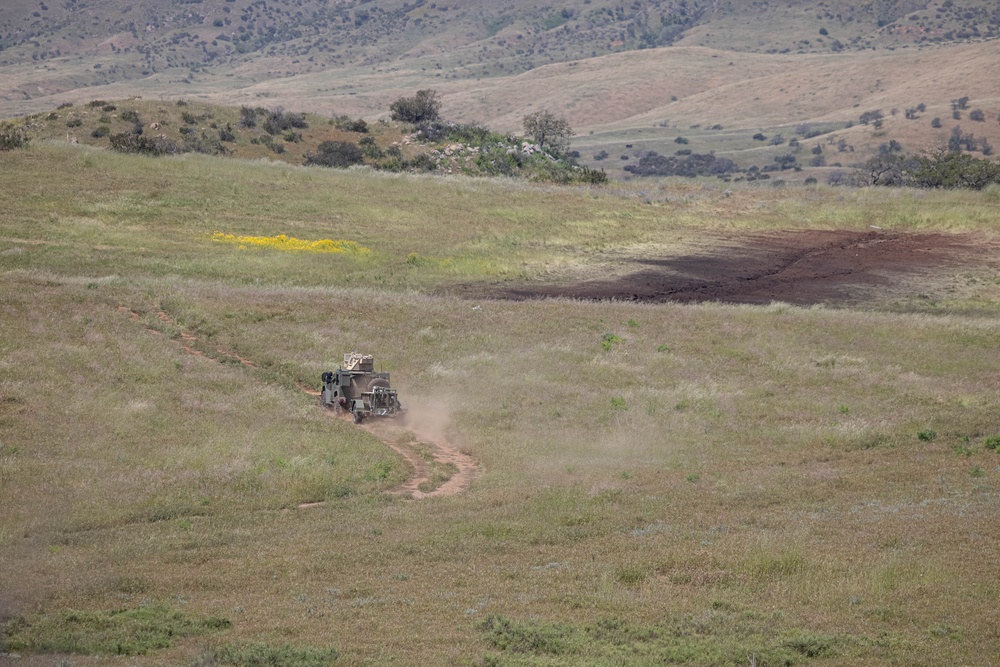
x=548, y=131
x=882, y=169
x=871, y=117
x=424, y=107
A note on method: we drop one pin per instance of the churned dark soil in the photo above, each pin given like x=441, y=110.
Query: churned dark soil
x=795, y=267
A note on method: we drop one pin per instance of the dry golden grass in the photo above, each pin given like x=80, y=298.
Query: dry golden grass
x=746, y=477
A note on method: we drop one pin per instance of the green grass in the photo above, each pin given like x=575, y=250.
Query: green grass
x=137, y=631
x=698, y=503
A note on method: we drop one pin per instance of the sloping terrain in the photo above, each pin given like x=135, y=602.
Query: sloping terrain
x=679, y=483
x=316, y=55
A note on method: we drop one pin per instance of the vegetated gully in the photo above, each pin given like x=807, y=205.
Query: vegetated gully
x=438, y=467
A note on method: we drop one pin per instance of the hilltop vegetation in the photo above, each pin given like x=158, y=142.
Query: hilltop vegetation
x=416, y=144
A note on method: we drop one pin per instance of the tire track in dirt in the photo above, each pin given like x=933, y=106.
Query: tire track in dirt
x=427, y=479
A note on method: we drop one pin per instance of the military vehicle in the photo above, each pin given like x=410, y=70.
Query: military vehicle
x=358, y=388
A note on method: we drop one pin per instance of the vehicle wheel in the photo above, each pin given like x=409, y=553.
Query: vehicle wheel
x=358, y=417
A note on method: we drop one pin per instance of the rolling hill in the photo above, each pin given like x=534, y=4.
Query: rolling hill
x=618, y=74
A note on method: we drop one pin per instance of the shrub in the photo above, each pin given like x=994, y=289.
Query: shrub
x=340, y=154
x=133, y=143
x=118, y=632
x=870, y=117
x=422, y=107
x=100, y=132
x=654, y=164
x=993, y=442
x=760, y=136
x=528, y=636
x=349, y=125
x=12, y=137
x=130, y=116
x=368, y=146
x=279, y=121
x=926, y=435
x=608, y=340
x=258, y=655
x=74, y=122
x=977, y=115
x=248, y=117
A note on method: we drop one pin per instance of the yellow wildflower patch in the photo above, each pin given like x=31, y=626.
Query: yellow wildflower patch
x=283, y=242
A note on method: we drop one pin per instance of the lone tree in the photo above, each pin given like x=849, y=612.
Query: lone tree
x=422, y=107
x=548, y=131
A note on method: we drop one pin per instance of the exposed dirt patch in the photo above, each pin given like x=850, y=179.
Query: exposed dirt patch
x=439, y=468
x=837, y=268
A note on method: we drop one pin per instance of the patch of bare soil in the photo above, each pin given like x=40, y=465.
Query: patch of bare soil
x=837, y=268
x=439, y=468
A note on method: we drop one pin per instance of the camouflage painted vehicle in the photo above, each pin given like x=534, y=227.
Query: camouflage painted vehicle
x=358, y=388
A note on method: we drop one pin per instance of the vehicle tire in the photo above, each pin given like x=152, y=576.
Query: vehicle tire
x=358, y=417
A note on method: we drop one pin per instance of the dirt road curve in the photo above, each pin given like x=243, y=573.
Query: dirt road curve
x=439, y=468
x=440, y=459
x=796, y=267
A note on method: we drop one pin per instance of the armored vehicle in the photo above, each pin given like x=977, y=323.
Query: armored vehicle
x=357, y=387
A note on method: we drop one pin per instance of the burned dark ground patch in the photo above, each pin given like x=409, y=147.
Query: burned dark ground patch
x=836, y=268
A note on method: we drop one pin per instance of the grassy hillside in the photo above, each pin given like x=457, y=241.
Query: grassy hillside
x=712, y=483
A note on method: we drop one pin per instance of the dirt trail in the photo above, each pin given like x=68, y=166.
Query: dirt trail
x=439, y=468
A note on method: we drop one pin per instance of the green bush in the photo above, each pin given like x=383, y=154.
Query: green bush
x=132, y=143
x=12, y=137
x=608, y=340
x=348, y=125
x=993, y=442
x=422, y=107
x=529, y=637
x=116, y=632
x=279, y=121
x=340, y=154
x=258, y=655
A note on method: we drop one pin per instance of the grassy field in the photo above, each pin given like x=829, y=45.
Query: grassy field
x=671, y=484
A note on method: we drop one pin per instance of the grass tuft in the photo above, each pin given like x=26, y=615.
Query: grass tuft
x=131, y=632
x=260, y=655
